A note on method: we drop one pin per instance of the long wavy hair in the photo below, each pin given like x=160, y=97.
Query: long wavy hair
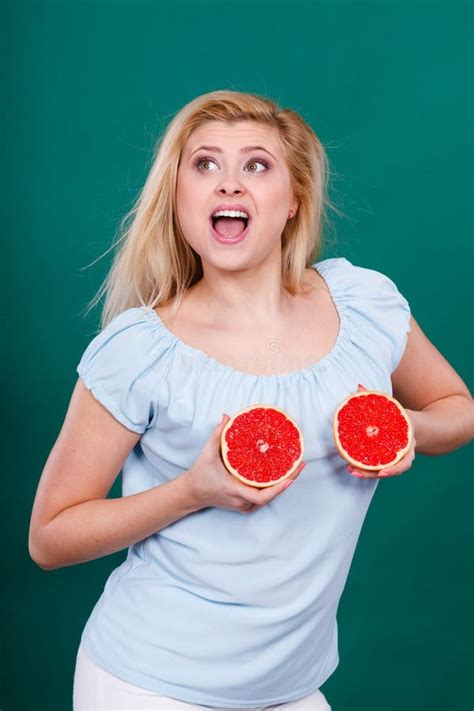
x=154, y=264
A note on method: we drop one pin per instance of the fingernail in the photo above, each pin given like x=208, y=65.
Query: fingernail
x=287, y=484
x=383, y=474
x=222, y=419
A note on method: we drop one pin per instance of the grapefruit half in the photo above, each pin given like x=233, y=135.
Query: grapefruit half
x=372, y=430
x=261, y=445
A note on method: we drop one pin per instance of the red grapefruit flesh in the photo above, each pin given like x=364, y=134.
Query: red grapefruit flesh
x=372, y=430
x=261, y=445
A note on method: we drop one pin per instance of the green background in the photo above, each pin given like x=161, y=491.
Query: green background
x=87, y=86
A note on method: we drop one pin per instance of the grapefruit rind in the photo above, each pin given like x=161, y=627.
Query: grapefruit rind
x=356, y=463
x=251, y=482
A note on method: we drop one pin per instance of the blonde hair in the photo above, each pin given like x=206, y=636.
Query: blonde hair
x=155, y=263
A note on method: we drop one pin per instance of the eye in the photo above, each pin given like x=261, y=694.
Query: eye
x=199, y=161
x=253, y=161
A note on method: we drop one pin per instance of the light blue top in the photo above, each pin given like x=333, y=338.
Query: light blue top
x=222, y=608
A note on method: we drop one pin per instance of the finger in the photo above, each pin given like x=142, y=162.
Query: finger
x=362, y=473
x=293, y=476
x=402, y=466
x=215, y=436
x=298, y=471
x=221, y=424
x=251, y=508
x=378, y=474
x=390, y=472
x=263, y=496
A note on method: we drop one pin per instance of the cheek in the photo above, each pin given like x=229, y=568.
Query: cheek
x=274, y=218
x=189, y=206
x=274, y=198
x=189, y=225
x=183, y=193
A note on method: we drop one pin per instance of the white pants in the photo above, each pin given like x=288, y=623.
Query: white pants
x=95, y=689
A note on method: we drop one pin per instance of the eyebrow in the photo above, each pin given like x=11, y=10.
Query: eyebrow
x=247, y=149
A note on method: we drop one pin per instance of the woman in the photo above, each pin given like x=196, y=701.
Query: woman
x=207, y=313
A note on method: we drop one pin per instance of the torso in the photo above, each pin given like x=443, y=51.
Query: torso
x=301, y=339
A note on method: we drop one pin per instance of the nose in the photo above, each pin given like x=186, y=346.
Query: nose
x=225, y=191
x=230, y=183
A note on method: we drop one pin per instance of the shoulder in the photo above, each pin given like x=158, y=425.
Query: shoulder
x=360, y=282
x=130, y=346
x=374, y=310
x=130, y=330
x=121, y=362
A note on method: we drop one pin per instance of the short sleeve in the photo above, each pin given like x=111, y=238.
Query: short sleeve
x=116, y=367
x=401, y=319
x=380, y=313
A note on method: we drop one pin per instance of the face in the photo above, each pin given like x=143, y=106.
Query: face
x=227, y=171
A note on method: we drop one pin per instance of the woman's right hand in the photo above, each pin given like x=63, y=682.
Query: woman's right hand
x=212, y=485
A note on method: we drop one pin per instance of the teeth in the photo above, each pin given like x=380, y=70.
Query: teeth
x=230, y=213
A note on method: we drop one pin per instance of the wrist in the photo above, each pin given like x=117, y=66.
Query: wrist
x=189, y=491
x=418, y=420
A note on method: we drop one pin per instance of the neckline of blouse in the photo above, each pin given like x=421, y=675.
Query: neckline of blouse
x=322, y=268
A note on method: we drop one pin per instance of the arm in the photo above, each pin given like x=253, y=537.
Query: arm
x=102, y=526
x=438, y=401
x=72, y=520
x=444, y=425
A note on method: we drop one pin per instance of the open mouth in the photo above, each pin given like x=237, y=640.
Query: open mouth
x=229, y=227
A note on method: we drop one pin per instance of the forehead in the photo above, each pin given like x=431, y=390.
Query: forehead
x=234, y=135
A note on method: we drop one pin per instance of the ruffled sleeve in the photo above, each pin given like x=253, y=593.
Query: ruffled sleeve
x=379, y=313
x=117, y=367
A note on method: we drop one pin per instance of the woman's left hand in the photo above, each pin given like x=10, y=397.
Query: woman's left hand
x=400, y=467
